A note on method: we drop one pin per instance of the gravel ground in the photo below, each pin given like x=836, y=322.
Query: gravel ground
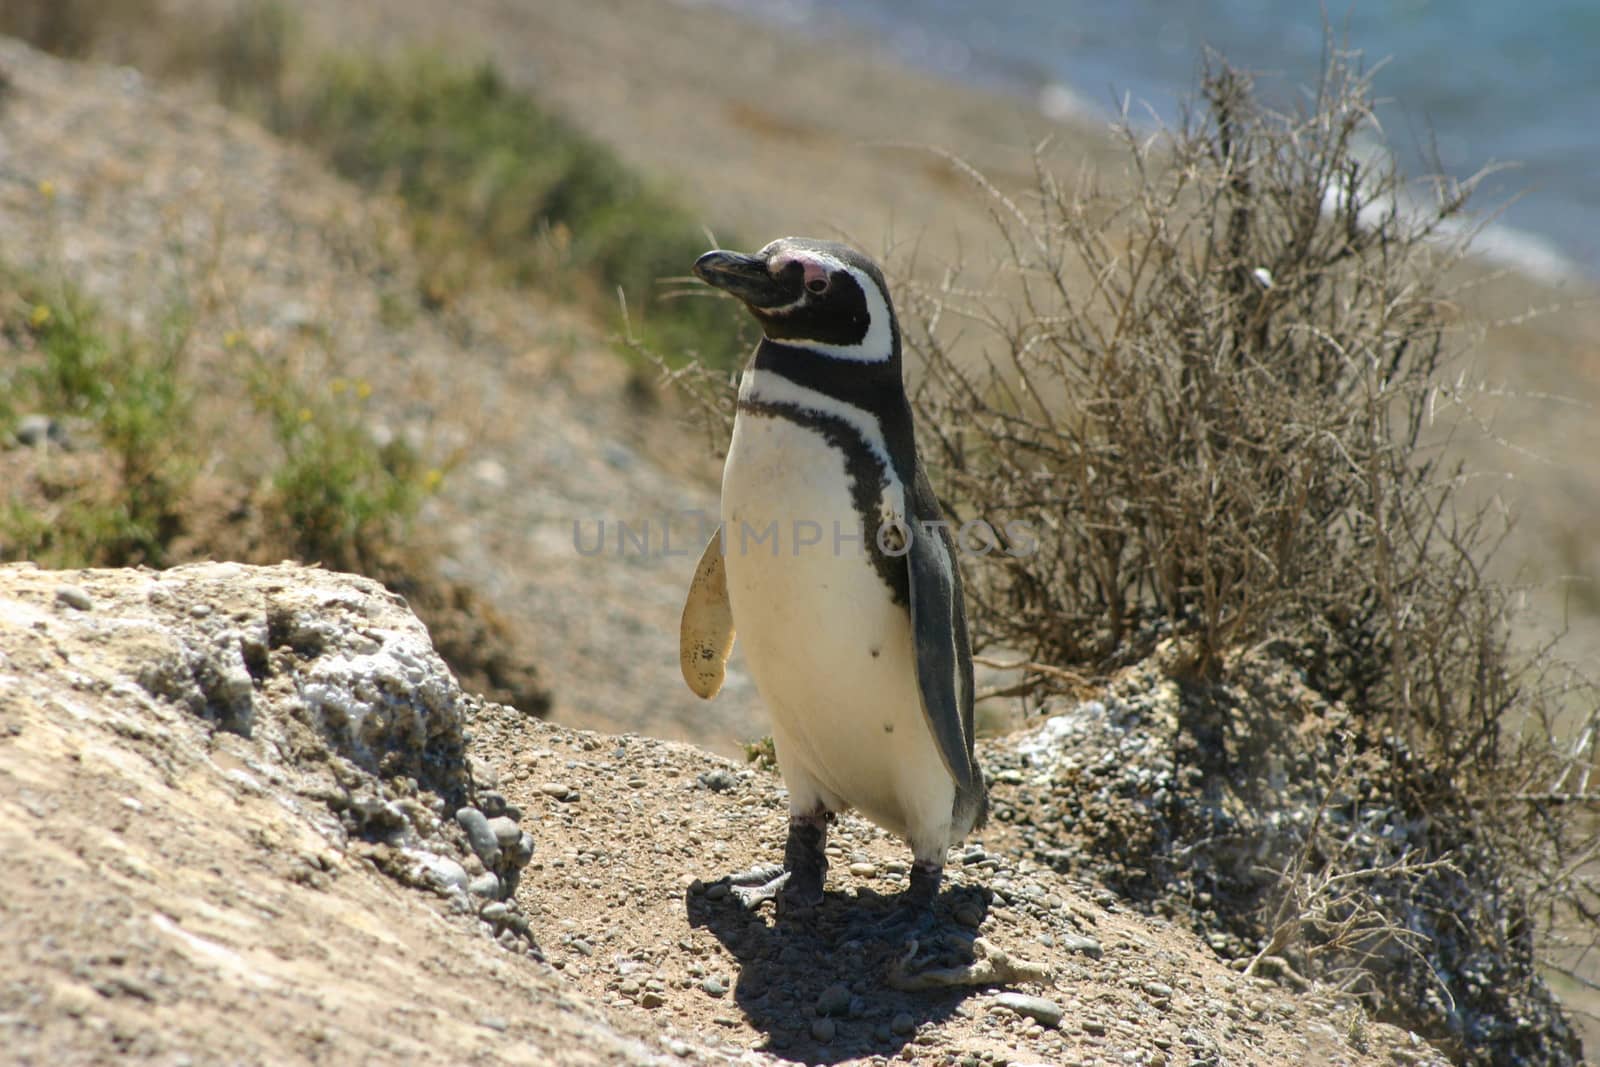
x=248, y=817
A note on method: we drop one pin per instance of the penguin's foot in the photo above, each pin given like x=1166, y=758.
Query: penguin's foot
x=761, y=875
x=753, y=894
x=924, y=888
x=913, y=916
x=754, y=887
x=797, y=886
x=806, y=860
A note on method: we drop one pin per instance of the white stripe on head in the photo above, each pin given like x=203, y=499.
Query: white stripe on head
x=878, y=345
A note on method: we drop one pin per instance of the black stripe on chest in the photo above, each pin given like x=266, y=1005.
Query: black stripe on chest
x=868, y=480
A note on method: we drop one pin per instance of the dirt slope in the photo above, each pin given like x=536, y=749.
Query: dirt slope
x=149, y=198
x=230, y=800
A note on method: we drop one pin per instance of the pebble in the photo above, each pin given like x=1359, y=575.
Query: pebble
x=864, y=870
x=969, y=914
x=903, y=1023
x=717, y=890
x=1047, y=1012
x=1078, y=943
x=1158, y=990
x=506, y=832
x=835, y=1000
x=719, y=780
x=824, y=1029
x=524, y=853
x=447, y=873
x=651, y=999
x=34, y=430
x=559, y=790
x=1093, y=1026
x=74, y=597
x=479, y=835
x=496, y=913
x=485, y=885
x=678, y=1047
x=714, y=985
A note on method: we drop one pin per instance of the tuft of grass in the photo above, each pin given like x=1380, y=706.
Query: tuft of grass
x=126, y=393
x=762, y=752
x=340, y=495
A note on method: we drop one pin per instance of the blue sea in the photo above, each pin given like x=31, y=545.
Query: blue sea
x=1463, y=84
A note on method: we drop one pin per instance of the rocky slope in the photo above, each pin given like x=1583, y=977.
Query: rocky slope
x=249, y=817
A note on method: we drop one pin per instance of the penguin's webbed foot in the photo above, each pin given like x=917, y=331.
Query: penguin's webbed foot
x=797, y=885
x=752, y=892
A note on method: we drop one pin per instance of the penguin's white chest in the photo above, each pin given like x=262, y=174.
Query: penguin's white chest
x=829, y=648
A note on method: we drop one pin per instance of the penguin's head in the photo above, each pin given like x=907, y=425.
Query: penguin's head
x=819, y=295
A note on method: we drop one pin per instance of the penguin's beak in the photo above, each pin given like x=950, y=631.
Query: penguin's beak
x=746, y=277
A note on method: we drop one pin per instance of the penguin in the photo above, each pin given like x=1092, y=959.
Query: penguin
x=834, y=568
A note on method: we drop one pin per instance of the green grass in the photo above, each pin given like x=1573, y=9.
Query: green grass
x=332, y=492
x=486, y=169
x=125, y=392
x=342, y=498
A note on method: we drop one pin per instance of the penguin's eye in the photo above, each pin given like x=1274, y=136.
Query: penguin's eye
x=817, y=285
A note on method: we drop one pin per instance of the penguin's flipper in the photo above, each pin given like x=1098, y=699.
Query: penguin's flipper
x=944, y=660
x=705, y=634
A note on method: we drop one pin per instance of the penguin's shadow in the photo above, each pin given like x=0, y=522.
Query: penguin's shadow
x=795, y=969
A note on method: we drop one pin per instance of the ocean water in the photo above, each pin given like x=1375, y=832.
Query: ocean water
x=1463, y=84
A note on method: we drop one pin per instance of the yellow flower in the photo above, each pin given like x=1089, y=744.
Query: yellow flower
x=231, y=339
x=363, y=389
x=338, y=385
x=41, y=315
x=47, y=189
x=305, y=414
x=432, y=479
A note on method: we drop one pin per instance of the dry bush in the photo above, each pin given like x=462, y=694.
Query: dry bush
x=1212, y=433
x=1212, y=396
